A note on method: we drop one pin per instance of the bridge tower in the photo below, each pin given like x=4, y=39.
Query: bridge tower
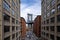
x=30, y=22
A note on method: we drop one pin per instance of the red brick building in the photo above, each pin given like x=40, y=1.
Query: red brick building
x=37, y=26
x=23, y=27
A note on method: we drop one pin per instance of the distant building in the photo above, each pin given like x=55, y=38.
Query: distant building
x=37, y=26
x=50, y=23
x=23, y=28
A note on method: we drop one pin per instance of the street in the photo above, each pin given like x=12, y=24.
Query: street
x=30, y=36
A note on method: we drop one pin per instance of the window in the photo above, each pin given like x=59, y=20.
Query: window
x=44, y=22
x=6, y=28
x=47, y=34
x=52, y=20
x=16, y=21
x=16, y=34
x=44, y=28
x=52, y=37
x=13, y=36
x=58, y=28
x=47, y=21
x=13, y=20
x=19, y=37
x=13, y=28
x=58, y=7
x=52, y=11
x=58, y=18
x=52, y=28
x=13, y=12
x=58, y=38
x=17, y=28
x=13, y=4
x=47, y=28
x=17, y=15
x=6, y=17
x=8, y=38
x=6, y=5
x=52, y=2
x=44, y=33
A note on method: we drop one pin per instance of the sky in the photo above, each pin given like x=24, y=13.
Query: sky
x=31, y=7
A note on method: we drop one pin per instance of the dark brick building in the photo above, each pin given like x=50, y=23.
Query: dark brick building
x=37, y=26
x=23, y=27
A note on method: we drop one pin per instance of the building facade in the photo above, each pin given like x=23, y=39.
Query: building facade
x=37, y=26
x=23, y=28
x=9, y=19
x=50, y=23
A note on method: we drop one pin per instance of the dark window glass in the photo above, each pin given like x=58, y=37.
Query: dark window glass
x=58, y=18
x=44, y=33
x=13, y=36
x=44, y=28
x=52, y=20
x=58, y=38
x=16, y=28
x=16, y=34
x=47, y=34
x=6, y=17
x=58, y=28
x=47, y=21
x=13, y=20
x=52, y=37
x=8, y=38
x=52, y=28
x=47, y=28
x=13, y=28
x=44, y=22
x=16, y=21
x=6, y=28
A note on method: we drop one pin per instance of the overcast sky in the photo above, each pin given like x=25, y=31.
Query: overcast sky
x=30, y=6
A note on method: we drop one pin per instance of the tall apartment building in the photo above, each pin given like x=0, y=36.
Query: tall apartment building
x=37, y=26
x=50, y=23
x=23, y=28
x=9, y=20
